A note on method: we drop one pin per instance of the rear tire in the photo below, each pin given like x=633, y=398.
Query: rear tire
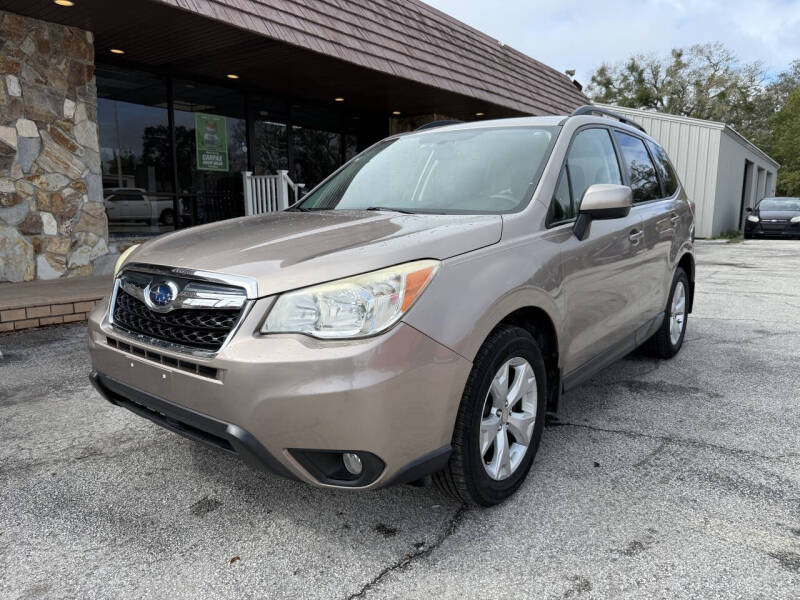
x=489, y=477
x=667, y=341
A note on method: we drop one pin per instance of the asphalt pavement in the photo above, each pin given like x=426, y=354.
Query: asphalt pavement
x=658, y=479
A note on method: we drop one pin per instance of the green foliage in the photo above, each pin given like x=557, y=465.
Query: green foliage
x=785, y=145
x=709, y=82
x=705, y=81
x=730, y=235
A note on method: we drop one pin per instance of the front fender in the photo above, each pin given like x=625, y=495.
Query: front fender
x=474, y=292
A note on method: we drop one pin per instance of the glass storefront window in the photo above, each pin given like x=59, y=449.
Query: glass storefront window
x=211, y=130
x=210, y=176
x=317, y=154
x=270, y=147
x=134, y=152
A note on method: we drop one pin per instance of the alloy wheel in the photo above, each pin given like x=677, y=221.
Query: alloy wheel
x=509, y=415
x=677, y=313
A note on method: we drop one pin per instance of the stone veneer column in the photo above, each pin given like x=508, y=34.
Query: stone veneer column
x=52, y=219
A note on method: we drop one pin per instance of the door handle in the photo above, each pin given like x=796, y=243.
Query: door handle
x=675, y=218
x=635, y=236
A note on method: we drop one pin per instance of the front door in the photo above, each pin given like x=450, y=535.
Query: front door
x=603, y=273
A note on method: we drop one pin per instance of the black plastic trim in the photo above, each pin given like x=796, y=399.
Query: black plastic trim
x=326, y=467
x=593, y=366
x=189, y=423
x=425, y=465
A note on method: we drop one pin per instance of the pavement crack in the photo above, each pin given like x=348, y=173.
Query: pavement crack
x=678, y=441
x=450, y=528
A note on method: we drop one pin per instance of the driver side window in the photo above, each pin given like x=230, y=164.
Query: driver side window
x=591, y=160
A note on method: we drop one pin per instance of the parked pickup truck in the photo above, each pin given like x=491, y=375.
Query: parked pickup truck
x=134, y=204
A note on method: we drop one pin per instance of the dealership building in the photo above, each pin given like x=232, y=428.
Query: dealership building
x=124, y=119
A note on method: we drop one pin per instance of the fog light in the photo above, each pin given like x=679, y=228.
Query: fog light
x=352, y=462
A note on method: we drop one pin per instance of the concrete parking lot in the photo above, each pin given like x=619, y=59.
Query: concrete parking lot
x=659, y=479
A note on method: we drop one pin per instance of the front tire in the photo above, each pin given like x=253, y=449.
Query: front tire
x=167, y=217
x=667, y=341
x=500, y=420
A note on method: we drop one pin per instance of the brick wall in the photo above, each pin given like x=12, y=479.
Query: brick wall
x=14, y=319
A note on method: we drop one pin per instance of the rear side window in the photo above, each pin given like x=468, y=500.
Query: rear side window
x=591, y=160
x=668, y=177
x=641, y=171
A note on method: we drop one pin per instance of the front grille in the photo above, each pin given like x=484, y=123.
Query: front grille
x=204, y=329
x=184, y=365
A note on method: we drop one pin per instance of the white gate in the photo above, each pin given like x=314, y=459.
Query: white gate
x=269, y=193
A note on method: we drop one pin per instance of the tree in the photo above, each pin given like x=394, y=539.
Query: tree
x=705, y=81
x=786, y=144
x=768, y=103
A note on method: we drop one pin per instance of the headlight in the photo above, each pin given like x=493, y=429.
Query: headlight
x=753, y=218
x=795, y=219
x=122, y=258
x=354, y=307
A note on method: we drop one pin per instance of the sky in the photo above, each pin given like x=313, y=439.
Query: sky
x=570, y=34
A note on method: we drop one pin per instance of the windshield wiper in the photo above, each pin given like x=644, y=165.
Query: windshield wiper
x=390, y=209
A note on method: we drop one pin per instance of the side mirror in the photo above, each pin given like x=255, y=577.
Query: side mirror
x=602, y=201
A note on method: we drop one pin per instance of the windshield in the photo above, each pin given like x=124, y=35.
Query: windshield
x=490, y=170
x=789, y=204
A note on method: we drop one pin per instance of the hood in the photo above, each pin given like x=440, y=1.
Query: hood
x=289, y=250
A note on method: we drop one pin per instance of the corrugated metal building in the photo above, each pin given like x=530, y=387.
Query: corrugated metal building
x=722, y=171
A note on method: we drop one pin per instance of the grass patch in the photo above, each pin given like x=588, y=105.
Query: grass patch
x=732, y=235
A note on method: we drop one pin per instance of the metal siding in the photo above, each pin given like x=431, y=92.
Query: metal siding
x=693, y=149
x=728, y=200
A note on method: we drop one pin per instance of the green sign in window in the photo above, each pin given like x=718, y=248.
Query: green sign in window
x=211, y=141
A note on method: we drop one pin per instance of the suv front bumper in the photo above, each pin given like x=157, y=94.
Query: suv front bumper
x=394, y=396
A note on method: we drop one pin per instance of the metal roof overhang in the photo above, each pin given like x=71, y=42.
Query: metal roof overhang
x=159, y=36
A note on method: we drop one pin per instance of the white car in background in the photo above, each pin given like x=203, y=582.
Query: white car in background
x=134, y=204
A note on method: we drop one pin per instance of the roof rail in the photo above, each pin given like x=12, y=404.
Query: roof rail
x=440, y=123
x=588, y=109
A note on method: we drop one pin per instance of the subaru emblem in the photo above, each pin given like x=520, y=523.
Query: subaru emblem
x=160, y=295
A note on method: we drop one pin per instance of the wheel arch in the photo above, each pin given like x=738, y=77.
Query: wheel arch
x=536, y=321
x=686, y=262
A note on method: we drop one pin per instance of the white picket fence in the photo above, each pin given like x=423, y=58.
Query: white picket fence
x=269, y=193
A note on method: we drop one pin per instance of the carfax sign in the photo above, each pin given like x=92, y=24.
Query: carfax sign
x=211, y=141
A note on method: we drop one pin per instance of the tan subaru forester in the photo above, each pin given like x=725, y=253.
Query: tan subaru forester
x=417, y=313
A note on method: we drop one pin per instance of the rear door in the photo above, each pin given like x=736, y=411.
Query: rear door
x=602, y=272
x=661, y=217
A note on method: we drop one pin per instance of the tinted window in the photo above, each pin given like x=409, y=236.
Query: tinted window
x=451, y=171
x=130, y=196
x=641, y=172
x=668, y=177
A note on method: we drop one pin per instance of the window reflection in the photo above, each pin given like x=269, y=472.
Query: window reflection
x=270, y=147
x=209, y=177
x=134, y=152
x=145, y=194
x=317, y=154
x=641, y=172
